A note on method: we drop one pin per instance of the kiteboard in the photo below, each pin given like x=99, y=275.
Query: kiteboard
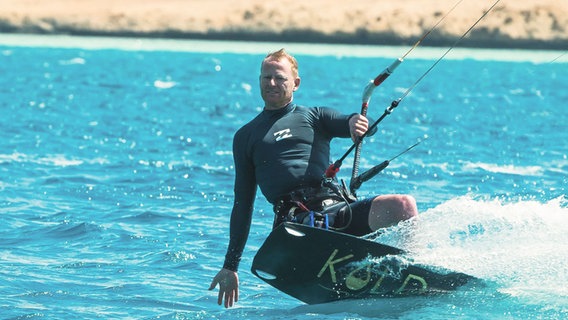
x=316, y=265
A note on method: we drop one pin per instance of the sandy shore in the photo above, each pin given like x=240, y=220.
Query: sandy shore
x=534, y=24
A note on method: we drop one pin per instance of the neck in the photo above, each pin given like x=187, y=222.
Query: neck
x=273, y=107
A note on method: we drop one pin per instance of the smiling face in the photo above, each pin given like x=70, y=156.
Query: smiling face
x=278, y=81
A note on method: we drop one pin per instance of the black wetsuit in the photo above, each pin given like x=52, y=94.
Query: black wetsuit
x=279, y=151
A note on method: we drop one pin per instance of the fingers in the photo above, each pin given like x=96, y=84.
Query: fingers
x=358, y=125
x=228, y=282
x=229, y=301
x=227, y=295
x=221, y=291
x=220, y=298
x=231, y=296
x=213, y=284
x=361, y=126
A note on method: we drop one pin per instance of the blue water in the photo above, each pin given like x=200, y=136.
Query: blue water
x=116, y=179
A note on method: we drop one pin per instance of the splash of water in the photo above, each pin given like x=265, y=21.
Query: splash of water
x=518, y=246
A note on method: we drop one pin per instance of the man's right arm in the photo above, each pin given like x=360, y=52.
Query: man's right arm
x=241, y=216
x=227, y=277
x=245, y=193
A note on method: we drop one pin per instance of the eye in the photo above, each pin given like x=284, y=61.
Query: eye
x=277, y=78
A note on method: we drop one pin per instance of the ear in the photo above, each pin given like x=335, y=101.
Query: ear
x=297, y=83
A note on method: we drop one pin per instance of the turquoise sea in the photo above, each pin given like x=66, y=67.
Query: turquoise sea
x=116, y=175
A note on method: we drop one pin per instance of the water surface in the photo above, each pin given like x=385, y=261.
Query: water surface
x=116, y=175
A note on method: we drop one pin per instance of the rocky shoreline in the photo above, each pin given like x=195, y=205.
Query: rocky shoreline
x=523, y=24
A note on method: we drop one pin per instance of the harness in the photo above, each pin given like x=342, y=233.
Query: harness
x=321, y=207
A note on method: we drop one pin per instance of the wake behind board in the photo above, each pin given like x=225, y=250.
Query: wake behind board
x=316, y=266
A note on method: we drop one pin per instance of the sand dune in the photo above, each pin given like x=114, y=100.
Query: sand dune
x=536, y=24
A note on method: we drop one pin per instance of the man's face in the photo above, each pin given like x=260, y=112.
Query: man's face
x=277, y=83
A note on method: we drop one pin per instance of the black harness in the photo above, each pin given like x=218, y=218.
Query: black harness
x=320, y=207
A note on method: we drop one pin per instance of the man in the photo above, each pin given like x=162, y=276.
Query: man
x=285, y=151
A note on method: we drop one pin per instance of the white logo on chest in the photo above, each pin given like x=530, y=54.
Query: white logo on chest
x=282, y=134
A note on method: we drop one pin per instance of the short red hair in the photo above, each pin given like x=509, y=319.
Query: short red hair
x=282, y=54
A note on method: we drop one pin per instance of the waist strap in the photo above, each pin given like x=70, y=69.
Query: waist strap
x=313, y=198
x=301, y=201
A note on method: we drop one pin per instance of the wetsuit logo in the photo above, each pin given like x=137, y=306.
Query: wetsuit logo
x=282, y=134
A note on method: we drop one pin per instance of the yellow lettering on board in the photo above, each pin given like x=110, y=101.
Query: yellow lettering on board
x=409, y=278
x=330, y=262
x=377, y=285
x=355, y=283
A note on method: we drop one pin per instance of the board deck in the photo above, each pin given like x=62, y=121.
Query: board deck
x=316, y=266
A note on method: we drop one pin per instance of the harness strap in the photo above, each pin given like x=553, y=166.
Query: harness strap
x=301, y=206
x=307, y=206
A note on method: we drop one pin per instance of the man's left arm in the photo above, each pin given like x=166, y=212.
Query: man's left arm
x=344, y=126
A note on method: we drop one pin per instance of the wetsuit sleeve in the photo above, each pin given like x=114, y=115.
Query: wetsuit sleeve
x=245, y=193
x=335, y=123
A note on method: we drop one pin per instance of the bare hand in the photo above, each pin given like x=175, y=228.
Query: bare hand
x=358, y=125
x=228, y=287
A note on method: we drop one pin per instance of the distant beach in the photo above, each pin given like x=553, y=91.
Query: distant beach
x=527, y=24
